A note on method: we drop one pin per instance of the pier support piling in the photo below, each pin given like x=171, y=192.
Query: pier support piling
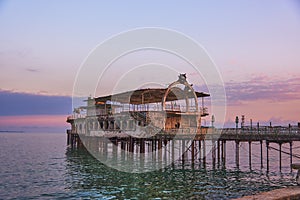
x=267, y=144
x=213, y=153
x=224, y=153
x=280, y=144
x=218, y=151
x=204, y=153
x=261, y=154
x=183, y=151
x=237, y=153
x=249, y=154
x=193, y=152
x=291, y=155
x=199, y=144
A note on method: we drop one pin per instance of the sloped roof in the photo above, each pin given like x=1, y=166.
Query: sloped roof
x=149, y=95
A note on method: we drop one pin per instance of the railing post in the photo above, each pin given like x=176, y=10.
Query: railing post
x=243, y=122
x=236, y=124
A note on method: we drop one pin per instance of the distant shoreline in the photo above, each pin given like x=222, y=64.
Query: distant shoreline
x=12, y=131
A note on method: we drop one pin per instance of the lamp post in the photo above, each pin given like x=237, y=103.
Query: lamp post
x=236, y=123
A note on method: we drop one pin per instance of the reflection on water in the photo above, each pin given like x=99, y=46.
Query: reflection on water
x=90, y=178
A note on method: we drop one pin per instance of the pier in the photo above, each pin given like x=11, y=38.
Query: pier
x=193, y=147
x=162, y=125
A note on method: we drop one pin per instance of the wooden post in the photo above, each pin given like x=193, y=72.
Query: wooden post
x=193, y=152
x=237, y=153
x=123, y=147
x=165, y=151
x=261, y=154
x=115, y=148
x=74, y=139
x=128, y=144
x=142, y=145
x=280, y=156
x=105, y=148
x=199, y=142
x=267, y=144
x=224, y=153
x=183, y=150
x=79, y=144
x=250, y=154
x=218, y=151
x=131, y=144
x=159, y=144
x=123, y=150
x=68, y=138
x=204, y=153
x=213, y=154
x=160, y=149
x=71, y=140
x=291, y=154
x=173, y=153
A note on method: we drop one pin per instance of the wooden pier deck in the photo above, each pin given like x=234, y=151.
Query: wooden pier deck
x=193, y=146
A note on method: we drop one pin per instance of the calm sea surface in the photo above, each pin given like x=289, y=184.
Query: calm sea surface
x=41, y=166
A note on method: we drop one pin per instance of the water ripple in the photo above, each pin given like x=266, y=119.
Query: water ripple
x=36, y=166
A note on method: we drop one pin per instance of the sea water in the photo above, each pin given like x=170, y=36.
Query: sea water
x=42, y=166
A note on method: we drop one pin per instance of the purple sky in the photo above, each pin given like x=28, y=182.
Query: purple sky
x=255, y=44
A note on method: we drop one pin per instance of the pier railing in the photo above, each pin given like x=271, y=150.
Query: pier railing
x=261, y=133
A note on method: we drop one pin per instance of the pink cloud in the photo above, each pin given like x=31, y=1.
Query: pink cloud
x=263, y=88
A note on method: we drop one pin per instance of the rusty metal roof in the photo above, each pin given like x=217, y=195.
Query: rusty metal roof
x=149, y=95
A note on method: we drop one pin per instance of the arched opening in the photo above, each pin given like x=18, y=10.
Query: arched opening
x=181, y=105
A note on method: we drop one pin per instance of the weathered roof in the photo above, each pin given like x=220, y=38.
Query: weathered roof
x=149, y=95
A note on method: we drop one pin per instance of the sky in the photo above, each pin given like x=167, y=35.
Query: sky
x=255, y=45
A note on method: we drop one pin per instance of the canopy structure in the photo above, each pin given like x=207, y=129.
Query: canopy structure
x=149, y=95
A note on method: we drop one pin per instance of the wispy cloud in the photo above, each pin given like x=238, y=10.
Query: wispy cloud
x=32, y=70
x=263, y=88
